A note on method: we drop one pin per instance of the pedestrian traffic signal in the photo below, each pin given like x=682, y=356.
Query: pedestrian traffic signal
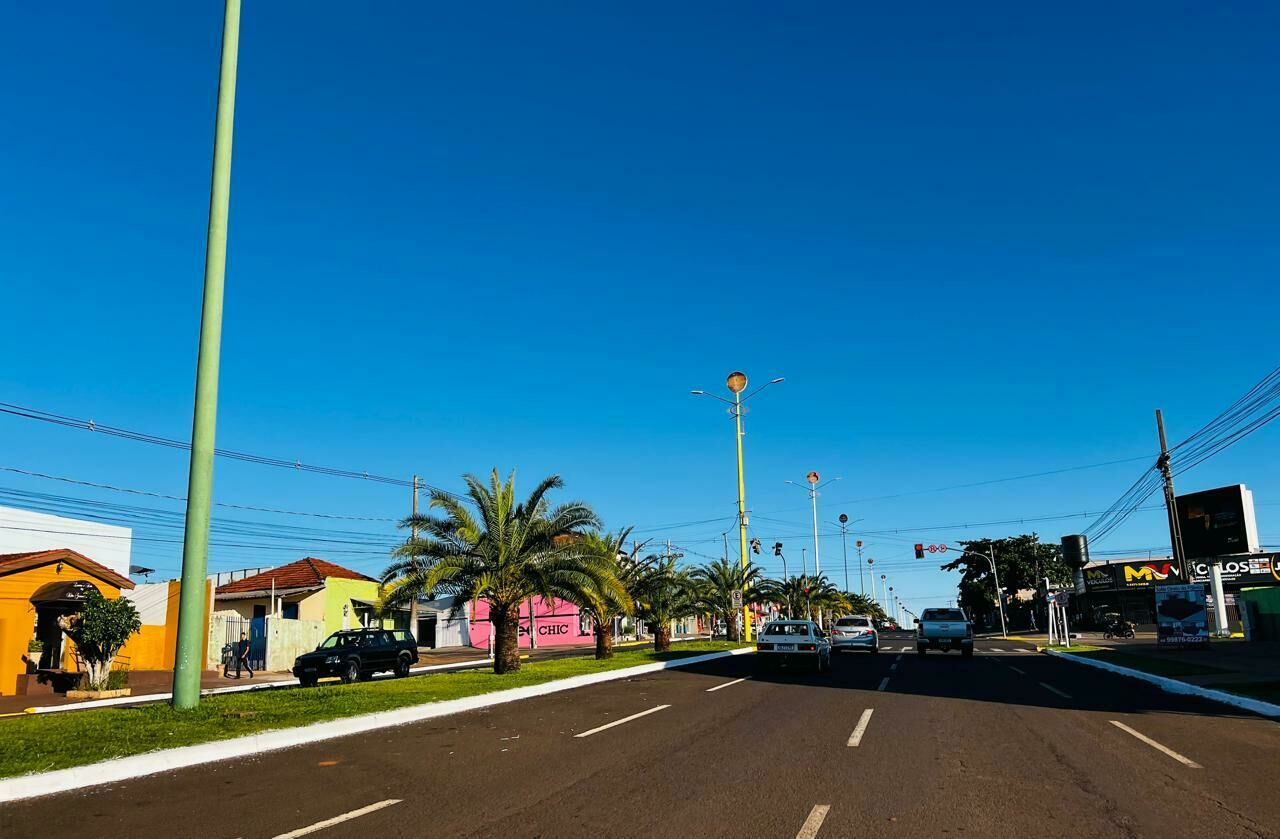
x=755, y=546
x=777, y=549
x=919, y=551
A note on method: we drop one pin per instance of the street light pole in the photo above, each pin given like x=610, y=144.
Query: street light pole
x=737, y=382
x=862, y=584
x=991, y=560
x=192, y=600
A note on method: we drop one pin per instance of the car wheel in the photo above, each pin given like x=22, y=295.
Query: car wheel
x=307, y=681
x=402, y=666
x=351, y=672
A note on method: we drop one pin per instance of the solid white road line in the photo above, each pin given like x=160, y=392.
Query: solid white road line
x=884, y=683
x=817, y=815
x=1053, y=689
x=345, y=817
x=597, y=730
x=727, y=684
x=856, y=737
x=1186, y=761
x=1018, y=670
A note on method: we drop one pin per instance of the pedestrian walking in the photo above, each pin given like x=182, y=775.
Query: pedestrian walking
x=242, y=658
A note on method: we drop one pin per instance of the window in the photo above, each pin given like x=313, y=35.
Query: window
x=792, y=629
x=289, y=611
x=942, y=615
x=853, y=622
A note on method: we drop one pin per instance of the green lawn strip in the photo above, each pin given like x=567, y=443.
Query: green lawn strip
x=43, y=742
x=1076, y=648
x=1157, y=666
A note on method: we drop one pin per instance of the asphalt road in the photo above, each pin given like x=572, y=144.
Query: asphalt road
x=1007, y=743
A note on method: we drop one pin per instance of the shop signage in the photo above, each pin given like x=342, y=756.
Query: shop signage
x=1145, y=574
x=1255, y=569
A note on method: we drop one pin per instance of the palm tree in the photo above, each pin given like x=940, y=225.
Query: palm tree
x=606, y=601
x=664, y=593
x=864, y=604
x=804, y=597
x=717, y=581
x=503, y=553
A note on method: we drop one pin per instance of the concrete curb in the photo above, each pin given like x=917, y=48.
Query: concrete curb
x=1168, y=685
x=166, y=760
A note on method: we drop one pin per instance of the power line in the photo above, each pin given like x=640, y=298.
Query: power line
x=153, y=439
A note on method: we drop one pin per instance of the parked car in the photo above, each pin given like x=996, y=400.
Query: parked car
x=353, y=654
x=944, y=629
x=855, y=632
x=800, y=644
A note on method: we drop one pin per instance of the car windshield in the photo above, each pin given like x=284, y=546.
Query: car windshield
x=853, y=622
x=787, y=629
x=341, y=639
x=942, y=615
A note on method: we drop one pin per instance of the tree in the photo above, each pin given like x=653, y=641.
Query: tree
x=502, y=553
x=804, y=597
x=1022, y=561
x=665, y=593
x=717, y=581
x=99, y=631
x=604, y=601
x=864, y=604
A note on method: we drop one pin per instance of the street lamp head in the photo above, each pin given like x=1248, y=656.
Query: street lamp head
x=844, y=519
x=813, y=477
x=737, y=381
x=698, y=392
x=775, y=381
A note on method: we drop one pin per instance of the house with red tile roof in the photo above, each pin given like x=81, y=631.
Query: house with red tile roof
x=310, y=589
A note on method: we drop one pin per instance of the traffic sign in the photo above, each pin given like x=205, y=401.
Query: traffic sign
x=735, y=597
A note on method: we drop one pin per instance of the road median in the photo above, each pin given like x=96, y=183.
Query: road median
x=72, y=751
x=1173, y=685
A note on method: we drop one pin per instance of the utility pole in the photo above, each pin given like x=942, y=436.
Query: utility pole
x=1175, y=529
x=413, y=535
x=862, y=585
x=192, y=599
x=844, y=547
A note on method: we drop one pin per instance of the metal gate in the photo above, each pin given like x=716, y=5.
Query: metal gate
x=256, y=632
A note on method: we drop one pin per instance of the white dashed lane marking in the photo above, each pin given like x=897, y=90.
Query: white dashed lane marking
x=884, y=683
x=856, y=737
x=811, y=825
x=609, y=725
x=345, y=817
x=727, y=684
x=1185, y=761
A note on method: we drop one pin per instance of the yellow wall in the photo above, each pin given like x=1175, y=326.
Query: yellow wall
x=18, y=615
x=153, y=647
x=311, y=607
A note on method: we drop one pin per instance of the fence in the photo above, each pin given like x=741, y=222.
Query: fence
x=273, y=642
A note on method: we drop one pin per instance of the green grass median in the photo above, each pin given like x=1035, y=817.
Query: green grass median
x=1155, y=665
x=43, y=742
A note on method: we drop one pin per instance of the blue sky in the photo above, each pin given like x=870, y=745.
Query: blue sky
x=978, y=242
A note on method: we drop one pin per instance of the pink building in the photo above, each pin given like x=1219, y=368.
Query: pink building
x=555, y=623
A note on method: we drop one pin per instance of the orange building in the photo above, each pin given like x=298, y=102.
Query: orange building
x=36, y=588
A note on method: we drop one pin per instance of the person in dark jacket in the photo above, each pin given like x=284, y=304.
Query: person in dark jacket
x=242, y=657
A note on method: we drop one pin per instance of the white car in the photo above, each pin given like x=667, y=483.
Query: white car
x=855, y=632
x=793, y=644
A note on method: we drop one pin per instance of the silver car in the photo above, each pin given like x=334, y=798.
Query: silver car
x=855, y=632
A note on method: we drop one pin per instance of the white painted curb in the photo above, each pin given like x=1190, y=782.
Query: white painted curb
x=1169, y=685
x=165, y=760
x=279, y=683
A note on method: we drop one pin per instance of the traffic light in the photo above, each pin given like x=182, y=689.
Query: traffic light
x=777, y=549
x=919, y=551
x=755, y=546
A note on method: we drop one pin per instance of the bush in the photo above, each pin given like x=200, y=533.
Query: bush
x=35, y=645
x=99, y=632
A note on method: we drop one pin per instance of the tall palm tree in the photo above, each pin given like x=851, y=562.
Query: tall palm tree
x=717, y=581
x=604, y=601
x=804, y=597
x=864, y=604
x=665, y=593
x=487, y=546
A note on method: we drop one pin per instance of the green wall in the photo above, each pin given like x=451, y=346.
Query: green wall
x=340, y=592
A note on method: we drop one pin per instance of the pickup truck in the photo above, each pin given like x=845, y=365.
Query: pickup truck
x=353, y=654
x=944, y=629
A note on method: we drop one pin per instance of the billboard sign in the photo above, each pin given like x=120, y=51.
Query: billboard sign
x=1146, y=574
x=1218, y=522
x=1254, y=569
x=1181, y=615
x=1099, y=578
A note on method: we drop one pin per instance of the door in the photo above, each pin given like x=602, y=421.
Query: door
x=258, y=638
x=427, y=632
x=383, y=650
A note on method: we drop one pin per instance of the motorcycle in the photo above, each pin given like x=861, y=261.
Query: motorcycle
x=1120, y=629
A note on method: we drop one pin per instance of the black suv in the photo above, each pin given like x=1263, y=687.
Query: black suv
x=357, y=654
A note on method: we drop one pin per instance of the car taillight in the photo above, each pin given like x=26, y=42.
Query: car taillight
x=763, y=645
x=808, y=647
